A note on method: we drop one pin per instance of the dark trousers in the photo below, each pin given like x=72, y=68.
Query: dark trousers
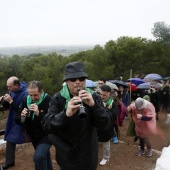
x=144, y=141
x=116, y=130
x=10, y=152
x=42, y=158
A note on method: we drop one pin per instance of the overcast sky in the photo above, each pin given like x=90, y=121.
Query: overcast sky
x=78, y=22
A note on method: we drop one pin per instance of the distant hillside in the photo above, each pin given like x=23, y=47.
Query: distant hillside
x=27, y=50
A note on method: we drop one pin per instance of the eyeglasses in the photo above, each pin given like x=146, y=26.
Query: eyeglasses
x=153, y=87
x=80, y=79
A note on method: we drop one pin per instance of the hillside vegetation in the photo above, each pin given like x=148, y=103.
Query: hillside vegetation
x=114, y=59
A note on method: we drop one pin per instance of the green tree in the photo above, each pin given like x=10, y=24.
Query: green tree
x=161, y=31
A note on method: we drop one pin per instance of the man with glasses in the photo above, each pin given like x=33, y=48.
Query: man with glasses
x=75, y=137
x=101, y=82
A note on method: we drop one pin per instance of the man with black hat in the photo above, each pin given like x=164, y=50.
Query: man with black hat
x=74, y=136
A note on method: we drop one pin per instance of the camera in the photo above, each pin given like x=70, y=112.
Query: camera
x=82, y=113
x=24, y=118
x=152, y=90
x=1, y=100
x=28, y=112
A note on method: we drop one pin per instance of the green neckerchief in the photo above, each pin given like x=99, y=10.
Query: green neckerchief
x=29, y=102
x=66, y=94
x=108, y=102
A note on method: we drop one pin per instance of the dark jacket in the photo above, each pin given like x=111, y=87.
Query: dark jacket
x=155, y=100
x=107, y=134
x=126, y=98
x=33, y=126
x=75, y=140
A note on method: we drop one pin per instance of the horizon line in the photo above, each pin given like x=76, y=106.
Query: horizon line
x=17, y=46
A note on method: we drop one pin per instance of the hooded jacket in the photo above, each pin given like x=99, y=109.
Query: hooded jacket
x=14, y=133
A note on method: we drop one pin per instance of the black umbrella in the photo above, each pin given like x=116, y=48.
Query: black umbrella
x=166, y=78
x=119, y=83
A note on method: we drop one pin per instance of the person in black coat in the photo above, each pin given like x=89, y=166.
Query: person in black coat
x=105, y=135
x=34, y=108
x=75, y=136
x=154, y=99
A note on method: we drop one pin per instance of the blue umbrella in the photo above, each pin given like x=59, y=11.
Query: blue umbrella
x=153, y=76
x=136, y=81
x=147, y=85
x=90, y=83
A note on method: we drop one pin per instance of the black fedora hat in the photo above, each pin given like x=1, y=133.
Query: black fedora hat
x=74, y=70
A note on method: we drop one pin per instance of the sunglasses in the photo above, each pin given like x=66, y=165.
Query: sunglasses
x=100, y=83
x=152, y=86
x=80, y=79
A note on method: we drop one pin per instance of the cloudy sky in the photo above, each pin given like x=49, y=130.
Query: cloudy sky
x=78, y=22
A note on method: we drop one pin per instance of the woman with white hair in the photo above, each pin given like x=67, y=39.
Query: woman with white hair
x=144, y=116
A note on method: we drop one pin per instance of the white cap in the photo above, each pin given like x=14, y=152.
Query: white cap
x=140, y=103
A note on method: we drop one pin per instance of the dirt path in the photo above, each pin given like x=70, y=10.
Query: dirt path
x=122, y=154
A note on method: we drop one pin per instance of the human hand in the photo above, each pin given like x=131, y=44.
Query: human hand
x=139, y=116
x=8, y=98
x=73, y=106
x=86, y=97
x=1, y=98
x=24, y=113
x=34, y=108
x=97, y=90
x=152, y=90
x=129, y=109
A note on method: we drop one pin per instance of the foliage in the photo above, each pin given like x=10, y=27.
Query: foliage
x=113, y=60
x=161, y=31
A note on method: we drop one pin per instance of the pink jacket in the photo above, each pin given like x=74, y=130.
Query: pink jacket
x=145, y=128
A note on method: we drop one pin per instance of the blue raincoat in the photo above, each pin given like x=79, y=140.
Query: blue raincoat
x=14, y=133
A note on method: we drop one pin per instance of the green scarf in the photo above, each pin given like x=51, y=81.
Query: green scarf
x=29, y=102
x=66, y=94
x=108, y=102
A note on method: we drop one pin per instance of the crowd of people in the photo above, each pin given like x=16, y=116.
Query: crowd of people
x=76, y=119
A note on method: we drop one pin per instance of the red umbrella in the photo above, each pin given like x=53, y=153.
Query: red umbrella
x=133, y=86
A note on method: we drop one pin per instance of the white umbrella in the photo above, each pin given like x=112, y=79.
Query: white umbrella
x=111, y=85
x=153, y=76
x=147, y=85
